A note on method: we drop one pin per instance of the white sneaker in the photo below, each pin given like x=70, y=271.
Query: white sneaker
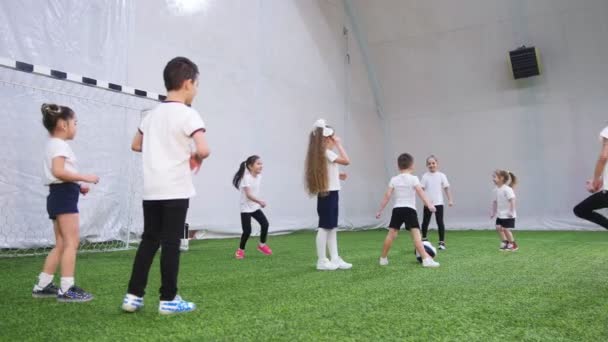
x=429, y=262
x=343, y=265
x=326, y=265
x=175, y=306
x=184, y=245
x=383, y=261
x=132, y=303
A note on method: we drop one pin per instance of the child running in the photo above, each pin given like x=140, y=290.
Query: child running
x=405, y=186
x=433, y=182
x=323, y=180
x=248, y=179
x=62, y=177
x=503, y=208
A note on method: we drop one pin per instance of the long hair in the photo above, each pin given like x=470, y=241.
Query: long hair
x=52, y=113
x=507, y=177
x=236, y=180
x=316, y=177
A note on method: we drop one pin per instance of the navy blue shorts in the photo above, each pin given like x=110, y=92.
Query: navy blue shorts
x=506, y=223
x=62, y=199
x=327, y=208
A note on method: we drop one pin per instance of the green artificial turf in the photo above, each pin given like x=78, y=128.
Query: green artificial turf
x=555, y=288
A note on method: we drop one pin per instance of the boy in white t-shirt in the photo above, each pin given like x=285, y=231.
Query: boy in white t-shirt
x=164, y=138
x=405, y=186
x=598, y=186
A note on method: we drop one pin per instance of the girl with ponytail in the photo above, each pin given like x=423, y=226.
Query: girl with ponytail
x=247, y=180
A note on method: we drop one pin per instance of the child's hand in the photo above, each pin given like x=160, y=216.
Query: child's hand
x=262, y=204
x=597, y=184
x=343, y=176
x=195, y=163
x=432, y=209
x=492, y=215
x=90, y=179
x=451, y=204
x=511, y=215
x=378, y=214
x=84, y=189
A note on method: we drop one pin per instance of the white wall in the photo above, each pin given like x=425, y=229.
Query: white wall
x=269, y=69
x=448, y=90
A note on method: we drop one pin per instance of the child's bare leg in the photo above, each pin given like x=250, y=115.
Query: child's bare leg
x=54, y=257
x=388, y=241
x=501, y=233
x=508, y=235
x=417, y=239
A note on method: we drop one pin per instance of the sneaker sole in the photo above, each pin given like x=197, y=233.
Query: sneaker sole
x=169, y=313
x=130, y=308
x=61, y=300
x=34, y=295
x=264, y=253
x=326, y=269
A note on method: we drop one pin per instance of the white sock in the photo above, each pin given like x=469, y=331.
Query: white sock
x=332, y=244
x=44, y=279
x=322, y=243
x=66, y=283
x=262, y=244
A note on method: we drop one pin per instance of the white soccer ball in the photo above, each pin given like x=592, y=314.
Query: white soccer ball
x=430, y=250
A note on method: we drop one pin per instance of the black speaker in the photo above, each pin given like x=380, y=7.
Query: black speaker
x=525, y=62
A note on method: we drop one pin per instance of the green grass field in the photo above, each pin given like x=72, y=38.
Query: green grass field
x=555, y=288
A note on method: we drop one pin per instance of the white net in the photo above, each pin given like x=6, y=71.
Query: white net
x=110, y=215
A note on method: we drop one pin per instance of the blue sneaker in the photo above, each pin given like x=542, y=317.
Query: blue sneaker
x=132, y=303
x=74, y=294
x=175, y=306
x=49, y=291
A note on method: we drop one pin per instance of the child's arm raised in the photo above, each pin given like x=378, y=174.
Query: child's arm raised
x=342, y=156
x=253, y=198
x=58, y=170
x=424, y=199
x=387, y=197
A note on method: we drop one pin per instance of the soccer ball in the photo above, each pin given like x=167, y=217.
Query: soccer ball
x=430, y=250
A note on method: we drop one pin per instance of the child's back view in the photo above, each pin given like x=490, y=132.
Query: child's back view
x=405, y=186
x=164, y=138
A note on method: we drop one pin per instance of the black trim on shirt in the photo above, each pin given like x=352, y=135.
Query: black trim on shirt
x=198, y=130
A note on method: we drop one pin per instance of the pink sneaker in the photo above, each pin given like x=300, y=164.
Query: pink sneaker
x=265, y=249
x=240, y=254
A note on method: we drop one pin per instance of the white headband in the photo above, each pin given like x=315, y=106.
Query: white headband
x=327, y=131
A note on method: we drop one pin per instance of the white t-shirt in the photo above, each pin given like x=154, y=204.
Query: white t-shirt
x=167, y=130
x=253, y=183
x=503, y=194
x=405, y=190
x=333, y=171
x=604, y=134
x=433, y=184
x=56, y=147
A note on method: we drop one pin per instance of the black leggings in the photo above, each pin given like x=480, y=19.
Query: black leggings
x=586, y=209
x=163, y=226
x=246, y=224
x=426, y=219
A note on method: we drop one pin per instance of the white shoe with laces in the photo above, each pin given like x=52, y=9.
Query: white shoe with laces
x=343, y=265
x=383, y=261
x=326, y=265
x=429, y=262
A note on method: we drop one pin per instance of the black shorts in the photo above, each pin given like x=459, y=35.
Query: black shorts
x=506, y=223
x=62, y=199
x=403, y=215
x=327, y=208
